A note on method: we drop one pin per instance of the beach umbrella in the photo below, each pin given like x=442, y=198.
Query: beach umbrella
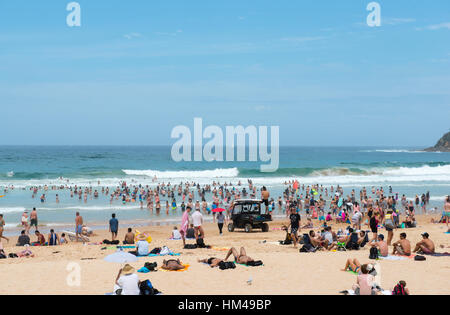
x=218, y=210
x=121, y=257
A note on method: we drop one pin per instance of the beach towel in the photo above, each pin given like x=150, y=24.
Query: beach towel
x=186, y=267
x=446, y=254
x=412, y=256
x=352, y=272
x=220, y=248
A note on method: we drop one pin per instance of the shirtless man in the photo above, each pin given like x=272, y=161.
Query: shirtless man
x=265, y=197
x=33, y=219
x=129, y=237
x=381, y=245
x=425, y=246
x=78, y=225
x=212, y=262
x=402, y=246
x=240, y=258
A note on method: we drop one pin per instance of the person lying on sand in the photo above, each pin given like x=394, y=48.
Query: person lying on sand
x=402, y=246
x=25, y=253
x=425, y=246
x=172, y=265
x=240, y=258
x=212, y=261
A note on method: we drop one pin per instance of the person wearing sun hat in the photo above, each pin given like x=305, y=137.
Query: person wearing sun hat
x=127, y=282
x=142, y=246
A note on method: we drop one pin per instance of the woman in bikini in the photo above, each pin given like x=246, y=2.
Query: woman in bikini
x=352, y=265
x=240, y=258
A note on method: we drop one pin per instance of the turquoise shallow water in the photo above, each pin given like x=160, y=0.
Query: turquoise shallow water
x=408, y=170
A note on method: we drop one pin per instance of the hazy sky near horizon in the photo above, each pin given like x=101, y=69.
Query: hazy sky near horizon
x=136, y=69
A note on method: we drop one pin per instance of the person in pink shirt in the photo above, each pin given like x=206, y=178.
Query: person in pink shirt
x=364, y=282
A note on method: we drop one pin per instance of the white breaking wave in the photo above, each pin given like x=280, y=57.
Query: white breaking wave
x=441, y=170
x=217, y=173
x=92, y=208
x=11, y=209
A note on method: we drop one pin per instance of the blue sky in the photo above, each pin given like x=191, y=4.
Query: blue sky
x=136, y=69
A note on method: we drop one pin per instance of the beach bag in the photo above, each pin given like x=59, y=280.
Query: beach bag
x=190, y=246
x=200, y=243
x=107, y=242
x=156, y=250
x=373, y=253
x=255, y=263
x=223, y=265
x=419, y=258
x=146, y=288
x=151, y=266
x=307, y=248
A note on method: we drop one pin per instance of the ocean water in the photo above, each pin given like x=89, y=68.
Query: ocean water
x=408, y=170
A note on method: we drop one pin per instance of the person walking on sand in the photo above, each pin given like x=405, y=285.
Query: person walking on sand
x=220, y=221
x=113, y=226
x=78, y=225
x=184, y=224
x=2, y=224
x=265, y=197
x=34, y=219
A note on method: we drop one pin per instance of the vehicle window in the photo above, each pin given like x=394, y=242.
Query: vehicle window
x=237, y=209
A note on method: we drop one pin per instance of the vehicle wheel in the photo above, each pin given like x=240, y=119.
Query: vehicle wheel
x=265, y=227
x=230, y=227
x=248, y=228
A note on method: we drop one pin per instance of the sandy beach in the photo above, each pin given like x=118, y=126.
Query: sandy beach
x=285, y=270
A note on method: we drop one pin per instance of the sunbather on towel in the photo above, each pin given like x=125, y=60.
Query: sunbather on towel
x=240, y=258
x=172, y=265
x=212, y=261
